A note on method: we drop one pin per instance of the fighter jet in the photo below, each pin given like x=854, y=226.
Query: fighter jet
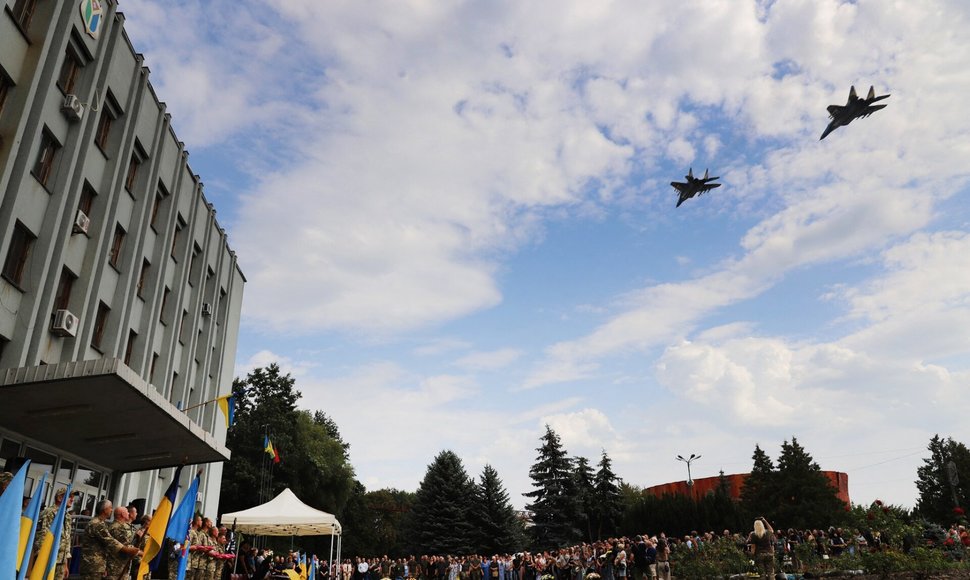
x=694, y=186
x=853, y=109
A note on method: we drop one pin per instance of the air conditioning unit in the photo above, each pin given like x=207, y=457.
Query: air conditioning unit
x=206, y=309
x=72, y=107
x=81, y=223
x=65, y=323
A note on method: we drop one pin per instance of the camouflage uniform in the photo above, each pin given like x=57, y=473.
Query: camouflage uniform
x=196, y=562
x=118, y=562
x=97, y=546
x=210, y=561
x=44, y=523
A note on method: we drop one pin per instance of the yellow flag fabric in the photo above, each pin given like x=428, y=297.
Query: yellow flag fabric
x=292, y=574
x=43, y=557
x=226, y=405
x=156, y=529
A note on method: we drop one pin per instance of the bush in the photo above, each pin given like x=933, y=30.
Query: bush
x=713, y=559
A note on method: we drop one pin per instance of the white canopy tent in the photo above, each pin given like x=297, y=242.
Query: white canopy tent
x=286, y=515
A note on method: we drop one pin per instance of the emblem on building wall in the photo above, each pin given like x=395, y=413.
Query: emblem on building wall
x=91, y=13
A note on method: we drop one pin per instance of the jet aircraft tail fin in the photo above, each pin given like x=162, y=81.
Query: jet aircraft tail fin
x=690, y=173
x=852, y=93
x=872, y=93
x=705, y=174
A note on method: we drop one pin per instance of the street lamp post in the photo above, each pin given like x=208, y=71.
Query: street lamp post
x=690, y=482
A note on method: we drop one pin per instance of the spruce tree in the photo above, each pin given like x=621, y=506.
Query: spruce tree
x=587, y=492
x=497, y=528
x=806, y=496
x=757, y=492
x=555, y=507
x=439, y=521
x=941, y=488
x=607, y=502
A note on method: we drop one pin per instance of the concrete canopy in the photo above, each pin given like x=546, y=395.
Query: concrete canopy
x=102, y=412
x=284, y=515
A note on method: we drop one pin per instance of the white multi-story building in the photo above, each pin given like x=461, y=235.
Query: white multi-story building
x=119, y=295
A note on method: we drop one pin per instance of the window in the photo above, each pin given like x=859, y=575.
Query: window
x=86, y=203
x=138, y=155
x=21, y=242
x=100, y=322
x=194, y=264
x=104, y=130
x=145, y=265
x=63, y=299
x=5, y=85
x=44, y=166
x=23, y=12
x=161, y=314
x=114, y=258
x=70, y=71
x=160, y=196
x=179, y=226
x=151, y=372
x=130, y=348
x=185, y=317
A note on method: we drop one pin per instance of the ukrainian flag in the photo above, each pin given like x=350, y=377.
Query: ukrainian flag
x=46, y=562
x=28, y=528
x=268, y=446
x=11, y=506
x=227, y=403
x=158, y=527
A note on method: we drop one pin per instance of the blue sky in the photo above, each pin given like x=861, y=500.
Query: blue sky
x=457, y=225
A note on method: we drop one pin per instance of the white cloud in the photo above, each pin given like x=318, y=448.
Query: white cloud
x=489, y=360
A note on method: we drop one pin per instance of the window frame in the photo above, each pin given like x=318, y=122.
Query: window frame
x=46, y=161
x=117, y=247
x=100, y=323
x=142, y=276
x=65, y=285
x=18, y=254
x=70, y=72
x=23, y=13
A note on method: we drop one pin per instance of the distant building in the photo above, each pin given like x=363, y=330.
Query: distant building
x=706, y=485
x=119, y=295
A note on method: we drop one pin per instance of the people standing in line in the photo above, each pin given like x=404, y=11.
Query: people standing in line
x=117, y=565
x=97, y=544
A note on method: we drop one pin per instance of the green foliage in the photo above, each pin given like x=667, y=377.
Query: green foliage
x=606, y=502
x=440, y=519
x=498, y=530
x=937, y=497
x=679, y=514
x=587, y=492
x=556, y=503
x=718, y=558
x=373, y=522
x=316, y=463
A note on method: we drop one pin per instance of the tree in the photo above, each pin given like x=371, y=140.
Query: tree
x=439, y=522
x=806, y=496
x=316, y=460
x=555, y=507
x=758, y=490
x=373, y=522
x=942, y=488
x=587, y=492
x=498, y=530
x=607, y=502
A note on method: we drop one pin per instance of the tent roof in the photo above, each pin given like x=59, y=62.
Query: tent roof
x=284, y=515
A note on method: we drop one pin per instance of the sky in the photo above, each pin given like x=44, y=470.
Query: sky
x=457, y=227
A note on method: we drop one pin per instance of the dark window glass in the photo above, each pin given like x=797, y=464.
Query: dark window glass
x=131, y=179
x=44, y=166
x=145, y=265
x=21, y=241
x=161, y=314
x=64, y=287
x=130, y=348
x=100, y=322
x=117, y=244
x=70, y=70
x=104, y=130
x=5, y=86
x=86, y=203
x=23, y=13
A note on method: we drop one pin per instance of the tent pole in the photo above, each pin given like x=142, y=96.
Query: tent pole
x=330, y=561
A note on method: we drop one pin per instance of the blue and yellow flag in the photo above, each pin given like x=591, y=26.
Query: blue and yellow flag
x=227, y=403
x=158, y=527
x=28, y=528
x=178, y=526
x=46, y=561
x=11, y=506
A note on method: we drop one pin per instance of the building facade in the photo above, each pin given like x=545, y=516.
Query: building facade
x=119, y=294
x=734, y=482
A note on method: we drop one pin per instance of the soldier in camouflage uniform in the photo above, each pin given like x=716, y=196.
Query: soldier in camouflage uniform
x=211, y=561
x=120, y=529
x=44, y=527
x=97, y=545
x=196, y=555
